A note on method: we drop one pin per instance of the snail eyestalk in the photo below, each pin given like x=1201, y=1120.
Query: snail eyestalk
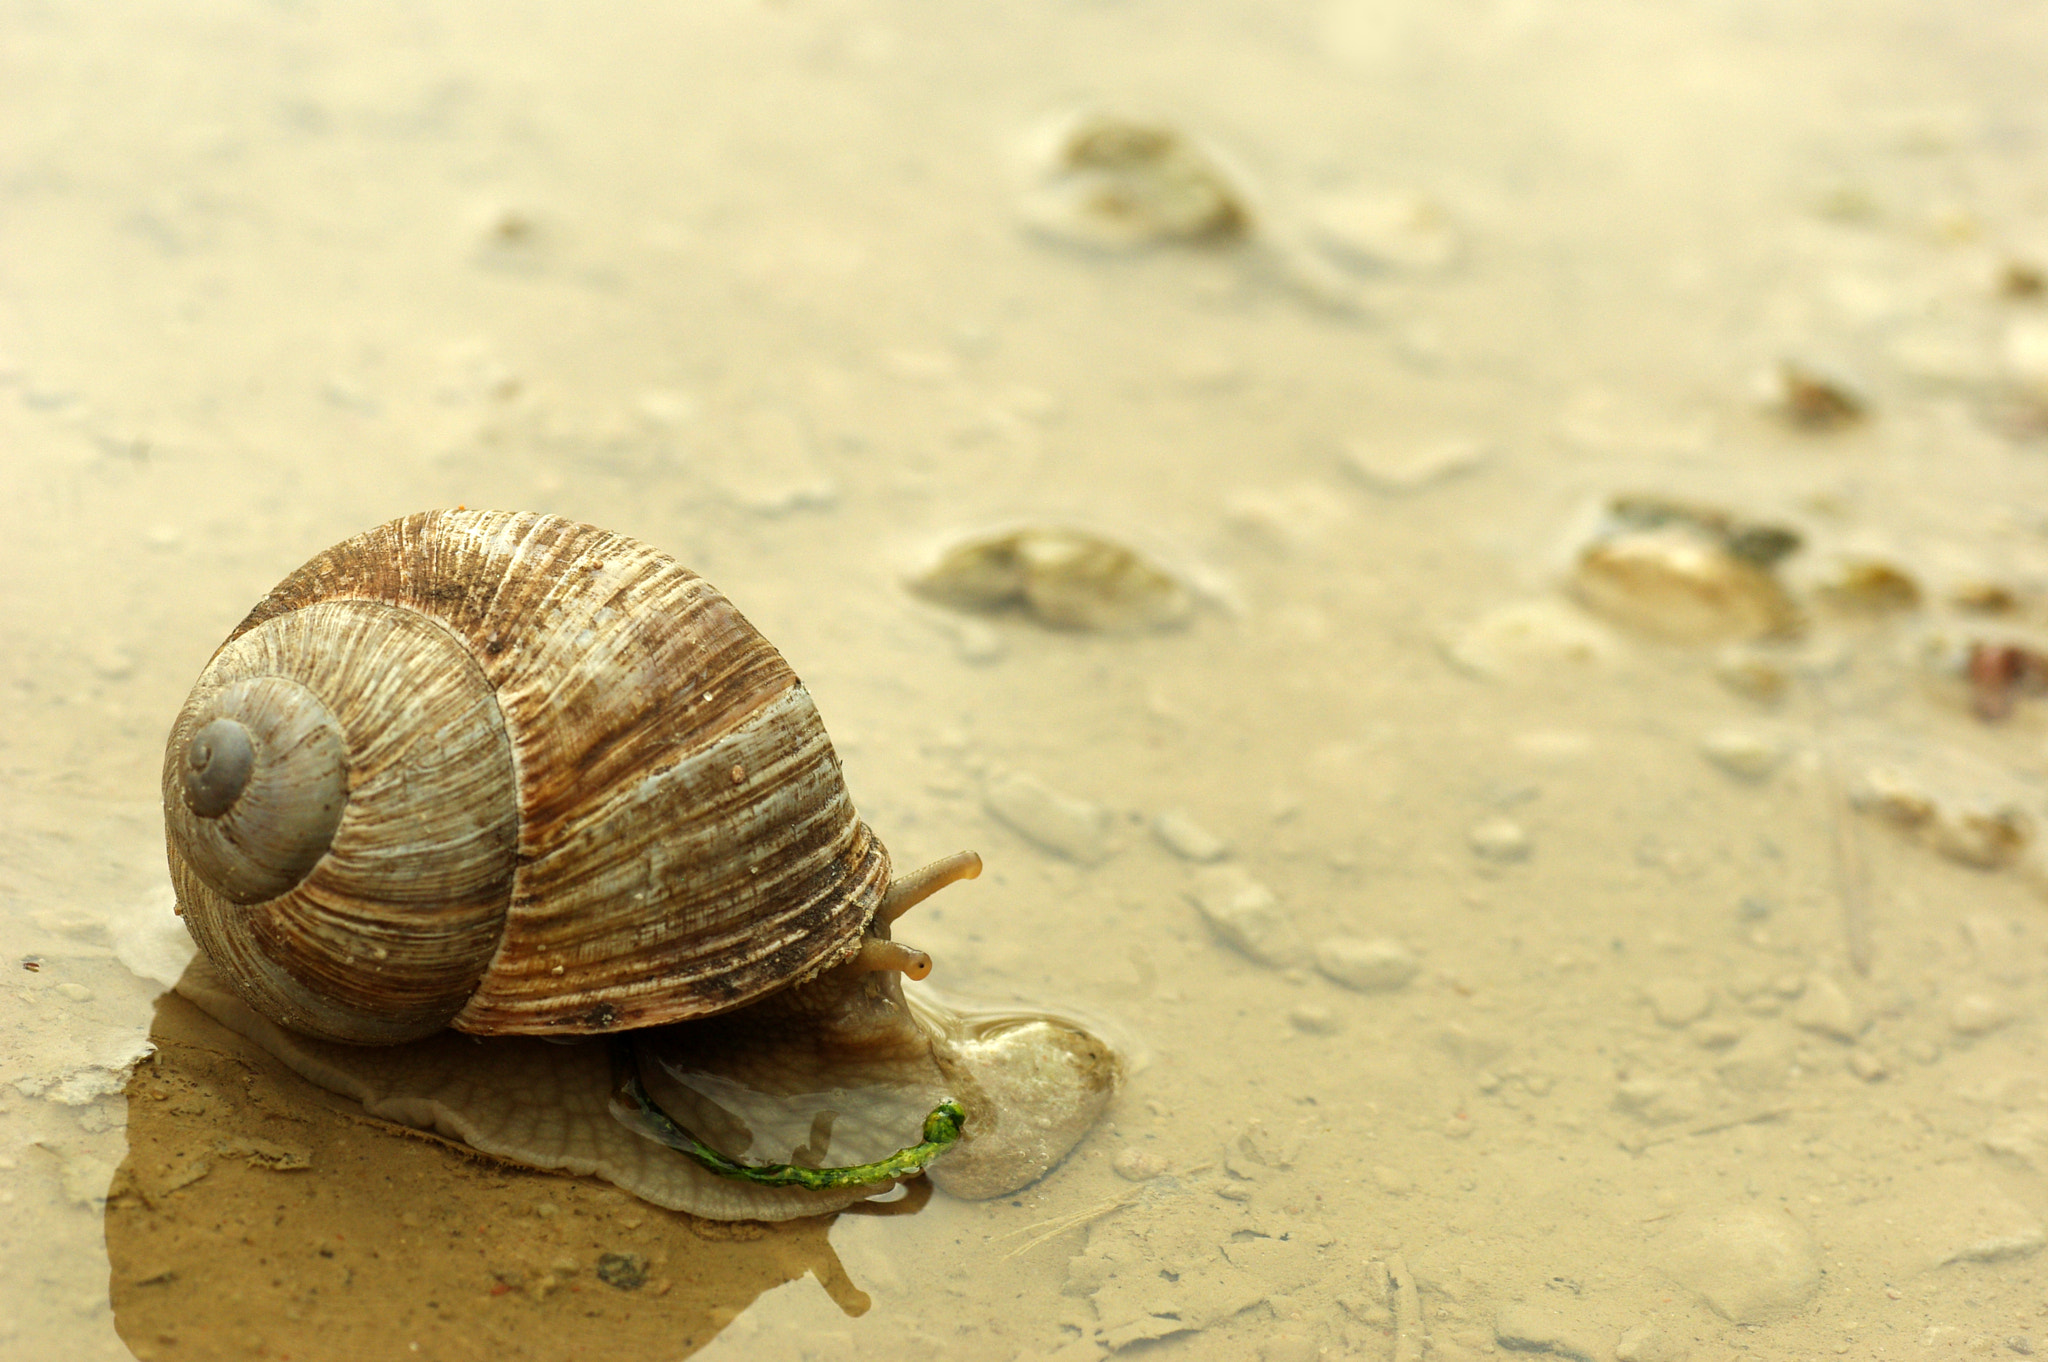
x=912, y=889
x=941, y=1130
x=876, y=953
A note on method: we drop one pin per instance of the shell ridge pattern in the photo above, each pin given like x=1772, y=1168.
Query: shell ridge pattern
x=651, y=731
x=711, y=922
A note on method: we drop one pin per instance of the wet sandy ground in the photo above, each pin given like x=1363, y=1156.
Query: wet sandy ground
x=1723, y=1032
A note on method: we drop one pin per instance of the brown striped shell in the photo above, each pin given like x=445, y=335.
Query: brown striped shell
x=511, y=774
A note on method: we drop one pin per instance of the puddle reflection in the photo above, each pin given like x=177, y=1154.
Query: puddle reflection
x=256, y=1215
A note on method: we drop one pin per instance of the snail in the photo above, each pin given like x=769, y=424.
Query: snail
x=473, y=782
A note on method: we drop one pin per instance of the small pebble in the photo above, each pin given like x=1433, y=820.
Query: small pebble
x=1742, y=753
x=1535, y=1329
x=1248, y=916
x=1529, y=637
x=1401, y=469
x=77, y=993
x=2026, y=350
x=114, y=664
x=1977, y=1014
x=1374, y=966
x=2021, y=279
x=68, y=922
x=1992, y=937
x=1980, y=597
x=1186, y=838
x=1314, y=1019
x=1867, y=1066
x=977, y=642
x=1987, y=839
x=1500, y=841
x=1061, y=824
x=1812, y=400
x=2022, y=1242
x=626, y=1271
x=1138, y=1165
x=1678, y=1002
x=1752, y=675
x=1392, y=1181
x=1824, y=1006
x=1645, y=1342
x=1761, y=1061
x=1289, y=1348
x=1659, y=1101
x=1872, y=586
x=1750, y=1264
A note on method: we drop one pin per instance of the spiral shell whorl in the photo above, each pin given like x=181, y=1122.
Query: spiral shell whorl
x=359, y=881
x=263, y=777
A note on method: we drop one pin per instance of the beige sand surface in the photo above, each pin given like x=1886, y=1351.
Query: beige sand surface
x=1724, y=1030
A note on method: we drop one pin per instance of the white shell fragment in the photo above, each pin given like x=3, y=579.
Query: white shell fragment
x=1687, y=574
x=1374, y=966
x=1112, y=182
x=1246, y=915
x=1186, y=838
x=1061, y=824
x=1985, y=833
x=1063, y=578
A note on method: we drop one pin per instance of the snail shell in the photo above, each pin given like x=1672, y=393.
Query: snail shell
x=511, y=774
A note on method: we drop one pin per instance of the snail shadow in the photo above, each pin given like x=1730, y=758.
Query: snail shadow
x=256, y=1215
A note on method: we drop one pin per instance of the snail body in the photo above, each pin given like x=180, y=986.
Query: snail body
x=515, y=776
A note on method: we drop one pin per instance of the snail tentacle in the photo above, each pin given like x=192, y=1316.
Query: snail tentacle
x=942, y=1129
x=878, y=953
x=910, y=890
